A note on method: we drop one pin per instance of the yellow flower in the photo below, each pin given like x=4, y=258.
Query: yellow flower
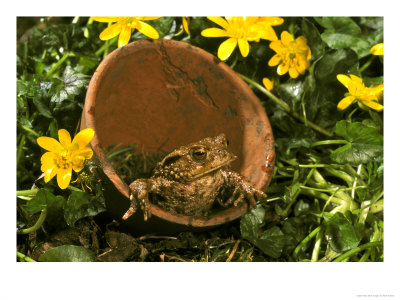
x=65, y=156
x=269, y=85
x=368, y=96
x=377, y=49
x=124, y=27
x=291, y=55
x=240, y=31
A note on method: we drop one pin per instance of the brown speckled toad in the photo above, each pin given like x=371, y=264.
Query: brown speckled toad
x=191, y=178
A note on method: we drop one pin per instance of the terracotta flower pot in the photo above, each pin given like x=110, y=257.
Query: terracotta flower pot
x=163, y=94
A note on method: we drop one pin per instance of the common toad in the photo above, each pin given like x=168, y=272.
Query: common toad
x=191, y=178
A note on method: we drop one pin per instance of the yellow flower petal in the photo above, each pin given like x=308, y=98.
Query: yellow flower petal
x=267, y=33
x=64, y=177
x=275, y=60
x=244, y=47
x=273, y=21
x=64, y=138
x=277, y=46
x=345, y=102
x=269, y=85
x=214, y=32
x=293, y=73
x=83, y=138
x=106, y=19
x=286, y=38
x=282, y=69
x=345, y=80
x=48, y=161
x=220, y=21
x=49, y=144
x=374, y=105
x=49, y=174
x=377, y=91
x=111, y=32
x=226, y=48
x=185, y=24
x=356, y=79
x=148, y=30
x=124, y=36
x=86, y=153
x=78, y=163
x=377, y=49
x=301, y=41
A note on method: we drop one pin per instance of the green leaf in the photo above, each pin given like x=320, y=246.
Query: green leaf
x=42, y=108
x=365, y=143
x=251, y=222
x=337, y=40
x=341, y=234
x=271, y=242
x=291, y=91
x=72, y=84
x=43, y=199
x=67, y=253
x=334, y=62
x=162, y=25
x=313, y=38
x=80, y=205
x=344, y=32
x=339, y=24
x=27, y=88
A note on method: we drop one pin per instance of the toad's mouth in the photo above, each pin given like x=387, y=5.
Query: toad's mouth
x=201, y=172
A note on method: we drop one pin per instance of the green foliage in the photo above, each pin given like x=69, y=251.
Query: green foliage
x=341, y=233
x=67, y=253
x=44, y=198
x=365, y=143
x=80, y=205
x=326, y=196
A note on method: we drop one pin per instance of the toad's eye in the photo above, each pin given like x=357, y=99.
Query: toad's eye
x=199, y=153
x=227, y=142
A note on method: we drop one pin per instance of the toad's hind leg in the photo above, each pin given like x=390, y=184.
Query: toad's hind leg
x=139, y=197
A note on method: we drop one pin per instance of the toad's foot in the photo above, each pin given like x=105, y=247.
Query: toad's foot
x=243, y=190
x=139, y=198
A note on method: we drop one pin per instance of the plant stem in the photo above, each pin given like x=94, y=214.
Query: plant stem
x=317, y=247
x=329, y=142
x=333, y=190
x=367, y=64
x=306, y=240
x=285, y=106
x=38, y=223
x=27, y=192
x=319, y=166
x=105, y=46
x=342, y=175
x=72, y=188
x=58, y=63
x=358, y=249
x=24, y=257
x=234, y=61
x=30, y=130
x=319, y=195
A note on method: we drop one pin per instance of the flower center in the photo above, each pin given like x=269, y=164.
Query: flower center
x=64, y=160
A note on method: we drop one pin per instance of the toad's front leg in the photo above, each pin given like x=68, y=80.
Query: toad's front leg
x=242, y=190
x=139, y=198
